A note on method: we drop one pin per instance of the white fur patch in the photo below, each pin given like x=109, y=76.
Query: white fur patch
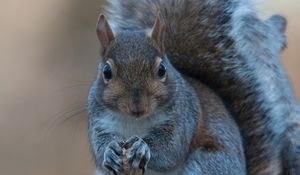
x=127, y=126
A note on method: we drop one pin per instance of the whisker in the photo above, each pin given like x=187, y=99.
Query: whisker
x=64, y=116
x=71, y=116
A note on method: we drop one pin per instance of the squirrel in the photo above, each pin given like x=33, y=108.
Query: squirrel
x=228, y=47
x=146, y=118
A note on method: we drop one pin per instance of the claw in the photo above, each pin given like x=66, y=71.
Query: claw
x=138, y=154
x=112, y=161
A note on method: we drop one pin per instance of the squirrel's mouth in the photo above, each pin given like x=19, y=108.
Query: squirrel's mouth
x=137, y=114
x=138, y=110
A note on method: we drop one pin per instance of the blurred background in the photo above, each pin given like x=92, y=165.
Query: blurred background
x=48, y=59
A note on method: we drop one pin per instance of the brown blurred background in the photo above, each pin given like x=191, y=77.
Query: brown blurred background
x=48, y=58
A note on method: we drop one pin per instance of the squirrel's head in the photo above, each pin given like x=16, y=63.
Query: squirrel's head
x=133, y=74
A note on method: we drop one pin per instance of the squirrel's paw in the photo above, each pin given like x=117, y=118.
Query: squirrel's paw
x=137, y=154
x=112, y=157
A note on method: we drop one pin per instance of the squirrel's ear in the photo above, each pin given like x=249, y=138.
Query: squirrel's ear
x=158, y=33
x=278, y=22
x=104, y=32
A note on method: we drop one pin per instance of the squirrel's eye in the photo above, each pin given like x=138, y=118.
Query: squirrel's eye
x=107, y=72
x=161, y=71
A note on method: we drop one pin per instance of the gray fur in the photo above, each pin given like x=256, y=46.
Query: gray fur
x=226, y=45
x=170, y=129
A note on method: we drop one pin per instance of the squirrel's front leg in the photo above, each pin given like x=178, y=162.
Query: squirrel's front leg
x=107, y=149
x=112, y=157
x=137, y=156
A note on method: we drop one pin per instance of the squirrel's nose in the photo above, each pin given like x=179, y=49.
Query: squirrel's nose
x=138, y=104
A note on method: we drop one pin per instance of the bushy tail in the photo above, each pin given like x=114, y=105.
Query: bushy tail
x=225, y=44
x=193, y=27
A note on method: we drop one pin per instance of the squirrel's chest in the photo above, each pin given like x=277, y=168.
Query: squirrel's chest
x=128, y=127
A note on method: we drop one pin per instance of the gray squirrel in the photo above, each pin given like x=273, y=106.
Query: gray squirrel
x=146, y=118
x=224, y=44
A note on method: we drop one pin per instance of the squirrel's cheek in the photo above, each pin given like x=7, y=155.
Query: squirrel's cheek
x=152, y=105
x=122, y=105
